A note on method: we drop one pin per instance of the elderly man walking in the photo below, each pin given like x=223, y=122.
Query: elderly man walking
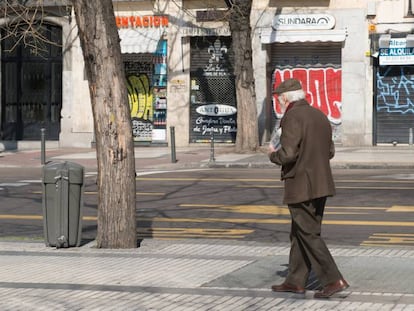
x=304, y=152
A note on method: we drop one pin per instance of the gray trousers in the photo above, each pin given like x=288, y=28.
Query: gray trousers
x=308, y=249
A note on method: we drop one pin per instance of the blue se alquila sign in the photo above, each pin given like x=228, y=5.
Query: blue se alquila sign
x=397, y=53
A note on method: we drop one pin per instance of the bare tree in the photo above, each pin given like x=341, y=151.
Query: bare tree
x=112, y=122
x=24, y=24
x=99, y=39
x=247, y=126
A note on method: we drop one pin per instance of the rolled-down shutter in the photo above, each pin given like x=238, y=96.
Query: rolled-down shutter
x=213, y=106
x=317, y=54
x=318, y=66
x=394, y=108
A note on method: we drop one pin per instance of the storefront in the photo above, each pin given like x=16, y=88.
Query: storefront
x=178, y=64
x=201, y=84
x=394, y=89
x=306, y=47
x=144, y=52
x=213, y=106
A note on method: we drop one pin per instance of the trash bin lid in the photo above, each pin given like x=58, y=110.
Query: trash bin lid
x=53, y=170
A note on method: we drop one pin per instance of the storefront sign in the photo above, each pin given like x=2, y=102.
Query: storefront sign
x=216, y=110
x=200, y=31
x=303, y=21
x=397, y=53
x=145, y=21
x=210, y=126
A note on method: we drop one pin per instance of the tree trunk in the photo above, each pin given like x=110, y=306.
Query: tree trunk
x=112, y=123
x=247, y=127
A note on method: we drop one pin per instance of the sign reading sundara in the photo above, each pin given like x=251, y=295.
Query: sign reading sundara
x=303, y=21
x=216, y=110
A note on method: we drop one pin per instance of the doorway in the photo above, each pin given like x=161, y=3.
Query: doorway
x=31, y=88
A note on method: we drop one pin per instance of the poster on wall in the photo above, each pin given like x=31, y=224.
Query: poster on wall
x=213, y=108
x=159, y=133
x=140, y=101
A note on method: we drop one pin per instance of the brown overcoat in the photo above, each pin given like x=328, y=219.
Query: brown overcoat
x=306, y=148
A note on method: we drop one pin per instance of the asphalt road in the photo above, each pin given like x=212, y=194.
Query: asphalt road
x=372, y=207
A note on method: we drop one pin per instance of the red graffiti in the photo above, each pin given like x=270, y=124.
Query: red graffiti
x=321, y=85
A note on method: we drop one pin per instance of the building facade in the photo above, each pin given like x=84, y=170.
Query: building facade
x=354, y=58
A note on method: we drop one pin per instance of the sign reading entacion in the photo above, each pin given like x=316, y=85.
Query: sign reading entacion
x=147, y=21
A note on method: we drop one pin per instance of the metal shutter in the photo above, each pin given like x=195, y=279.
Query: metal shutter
x=320, y=54
x=394, y=108
x=318, y=66
x=213, y=93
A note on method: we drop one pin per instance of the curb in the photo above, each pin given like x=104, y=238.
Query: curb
x=333, y=165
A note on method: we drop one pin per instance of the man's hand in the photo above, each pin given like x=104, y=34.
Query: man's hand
x=272, y=155
x=270, y=150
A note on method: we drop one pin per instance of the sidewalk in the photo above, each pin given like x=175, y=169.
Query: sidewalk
x=193, y=275
x=221, y=156
x=197, y=275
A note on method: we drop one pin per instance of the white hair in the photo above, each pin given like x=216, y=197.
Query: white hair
x=293, y=96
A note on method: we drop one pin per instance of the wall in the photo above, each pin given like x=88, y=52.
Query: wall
x=77, y=119
x=356, y=79
x=178, y=94
x=261, y=17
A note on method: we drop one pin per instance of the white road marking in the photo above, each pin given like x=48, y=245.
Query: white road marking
x=169, y=171
x=15, y=184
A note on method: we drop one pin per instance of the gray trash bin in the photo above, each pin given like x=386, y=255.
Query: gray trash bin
x=62, y=203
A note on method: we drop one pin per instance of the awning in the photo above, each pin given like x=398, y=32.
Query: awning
x=269, y=35
x=140, y=40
